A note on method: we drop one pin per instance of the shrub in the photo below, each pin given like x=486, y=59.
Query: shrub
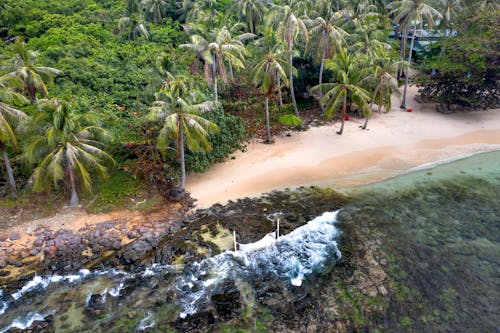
x=229, y=139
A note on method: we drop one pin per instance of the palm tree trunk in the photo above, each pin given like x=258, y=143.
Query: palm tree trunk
x=443, y=49
x=31, y=90
x=250, y=21
x=10, y=174
x=207, y=72
x=231, y=74
x=183, y=161
x=214, y=76
x=321, y=67
x=72, y=184
x=366, y=122
x=279, y=90
x=292, y=92
x=403, y=102
x=268, y=126
x=402, y=51
x=344, y=105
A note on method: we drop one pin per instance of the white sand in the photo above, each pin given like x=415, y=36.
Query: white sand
x=394, y=143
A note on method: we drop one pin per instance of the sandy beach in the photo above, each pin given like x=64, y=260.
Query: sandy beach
x=394, y=143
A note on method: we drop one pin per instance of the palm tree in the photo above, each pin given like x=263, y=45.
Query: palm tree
x=384, y=82
x=133, y=24
x=180, y=109
x=451, y=9
x=265, y=74
x=349, y=74
x=289, y=27
x=196, y=10
x=22, y=64
x=235, y=49
x=369, y=39
x=219, y=48
x=132, y=6
x=329, y=38
x=483, y=5
x=251, y=12
x=9, y=116
x=412, y=12
x=155, y=8
x=361, y=9
x=66, y=147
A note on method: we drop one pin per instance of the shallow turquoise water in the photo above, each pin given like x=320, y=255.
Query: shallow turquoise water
x=435, y=238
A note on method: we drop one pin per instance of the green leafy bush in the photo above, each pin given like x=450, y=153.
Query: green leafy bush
x=229, y=139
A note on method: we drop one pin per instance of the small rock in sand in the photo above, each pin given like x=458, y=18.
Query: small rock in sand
x=14, y=236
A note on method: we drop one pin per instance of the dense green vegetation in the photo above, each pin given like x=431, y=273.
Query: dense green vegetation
x=111, y=63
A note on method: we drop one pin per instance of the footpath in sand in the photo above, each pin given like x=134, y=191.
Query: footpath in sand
x=394, y=143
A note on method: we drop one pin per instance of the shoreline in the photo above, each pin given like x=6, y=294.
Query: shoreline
x=395, y=143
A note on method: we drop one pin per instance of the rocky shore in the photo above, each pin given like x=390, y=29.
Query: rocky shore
x=354, y=294
x=50, y=249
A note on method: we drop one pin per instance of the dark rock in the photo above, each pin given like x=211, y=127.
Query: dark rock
x=94, y=306
x=177, y=194
x=14, y=236
x=226, y=299
x=33, y=252
x=51, y=251
x=132, y=235
x=16, y=263
x=38, y=242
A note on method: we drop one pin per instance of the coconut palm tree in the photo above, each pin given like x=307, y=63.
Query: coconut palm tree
x=155, y=8
x=369, y=39
x=450, y=10
x=133, y=24
x=271, y=65
x=195, y=10
x=349, y=73
x=329, y=37
x=9, y=116
x=289, y=27
x=412, y=13
x=236, y=51
x=21, y=62
x=486, y=5
x=179, y=108
x=66, y=148
x=219, y=47
x=383, y=81
x=251, y=12
x=361, y=9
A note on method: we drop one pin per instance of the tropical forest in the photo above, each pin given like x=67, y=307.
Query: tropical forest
x=249, y=165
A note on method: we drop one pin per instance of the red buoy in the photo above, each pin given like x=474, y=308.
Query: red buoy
x=409, y=110
x=346, y=117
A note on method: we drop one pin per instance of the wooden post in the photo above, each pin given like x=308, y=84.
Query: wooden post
x=277, y=227
x=234, y=241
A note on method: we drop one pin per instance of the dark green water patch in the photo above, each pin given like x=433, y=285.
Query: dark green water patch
x=441, y=236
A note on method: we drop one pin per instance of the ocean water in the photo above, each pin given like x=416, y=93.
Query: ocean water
x=415, y=253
